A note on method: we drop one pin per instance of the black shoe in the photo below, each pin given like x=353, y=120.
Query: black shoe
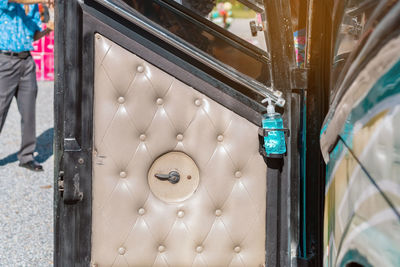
x=33, y=166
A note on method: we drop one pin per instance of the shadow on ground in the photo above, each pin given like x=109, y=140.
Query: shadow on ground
x=44, y=147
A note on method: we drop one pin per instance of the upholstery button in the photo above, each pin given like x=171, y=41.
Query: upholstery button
x=142, y=137
x=140, y=68
x=199, y=249
x=121, y=100
x=180, y=214
x=161, y=248
x=197, y=102
x=220, y=138
x=237, y=249
x=121, y=251
x=179, y=137
x=218, y=212
x=122, y=174
x=238, y=174
x=160, y=101
x=141, y=211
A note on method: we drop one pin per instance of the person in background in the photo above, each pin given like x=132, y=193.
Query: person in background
x=19, y=27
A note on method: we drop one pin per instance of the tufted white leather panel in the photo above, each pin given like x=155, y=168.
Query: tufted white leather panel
x=141, y=113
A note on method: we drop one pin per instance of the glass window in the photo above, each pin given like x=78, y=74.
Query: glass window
x=297, y=9
x=232, y=32
x=349, y=31
x=242, y=18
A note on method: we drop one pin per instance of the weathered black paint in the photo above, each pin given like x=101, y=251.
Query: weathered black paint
x=319, y=28
x=283, y=177
x=73, y=141
x=77, y=22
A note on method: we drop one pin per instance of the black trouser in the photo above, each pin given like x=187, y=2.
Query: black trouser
x=18, y=78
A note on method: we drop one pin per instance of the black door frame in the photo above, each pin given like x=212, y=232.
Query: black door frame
x=76, y=23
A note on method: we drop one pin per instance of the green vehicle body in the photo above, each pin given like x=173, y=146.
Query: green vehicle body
x=360, y=142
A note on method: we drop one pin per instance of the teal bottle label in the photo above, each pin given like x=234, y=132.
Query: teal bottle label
x=274, y=143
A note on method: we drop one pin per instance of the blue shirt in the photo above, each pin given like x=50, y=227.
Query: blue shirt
x=16, y=28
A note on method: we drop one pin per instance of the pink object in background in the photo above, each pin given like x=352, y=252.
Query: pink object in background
x=37, y=57
x=48, y=71
x=48, y=46
x=43, y=55
x=38, y=46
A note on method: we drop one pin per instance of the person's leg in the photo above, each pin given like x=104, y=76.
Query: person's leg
x=9, y=78
x=26, y=100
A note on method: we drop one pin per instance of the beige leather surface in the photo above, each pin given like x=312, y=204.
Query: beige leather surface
x=141, y=113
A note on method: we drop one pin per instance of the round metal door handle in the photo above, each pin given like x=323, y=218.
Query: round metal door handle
x=173, y=177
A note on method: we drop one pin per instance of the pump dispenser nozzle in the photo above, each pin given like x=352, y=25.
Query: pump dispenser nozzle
x=270, y=107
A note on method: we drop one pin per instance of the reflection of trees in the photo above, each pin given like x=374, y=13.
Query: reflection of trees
x=201, y=7
x=172, y=22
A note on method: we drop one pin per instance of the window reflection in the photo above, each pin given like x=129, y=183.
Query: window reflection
x=224, y=37
x=299, y=31
x=355, y=16
x=235, y=16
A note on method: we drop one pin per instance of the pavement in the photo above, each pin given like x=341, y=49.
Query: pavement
x=26, y=197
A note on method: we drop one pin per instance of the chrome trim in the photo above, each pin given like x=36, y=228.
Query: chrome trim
x=139, y=20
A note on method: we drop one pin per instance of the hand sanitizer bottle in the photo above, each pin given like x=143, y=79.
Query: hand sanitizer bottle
x=274, y=143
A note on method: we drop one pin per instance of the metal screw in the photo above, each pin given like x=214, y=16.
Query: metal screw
x=81, y=161
x=60, y=185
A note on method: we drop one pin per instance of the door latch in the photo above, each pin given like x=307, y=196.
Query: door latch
x=173, y=177
x=69, y=188
x=60, y=182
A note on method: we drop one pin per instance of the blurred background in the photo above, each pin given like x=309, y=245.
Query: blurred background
x=44, y=49
x=26, y=197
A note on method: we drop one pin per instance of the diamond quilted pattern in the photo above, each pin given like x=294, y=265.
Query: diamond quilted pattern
x=160, y=80
x=239, y=152
x=141, y=113
x=140, y=244
x=196, y=136
x=117, y=211
x=162, y=228
x=139, y=100
x=108, y=108
x=219, y=166
x=135, y=171
x=223, y=253
x=197, y=224
x=199, y=261
x=102, y=47
x=178, y=238
x=104, y=182
x=113, y=68
x=122, y=127
x=220, y=122
x=238, y=205
x=178, y=109
x=160, y=128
